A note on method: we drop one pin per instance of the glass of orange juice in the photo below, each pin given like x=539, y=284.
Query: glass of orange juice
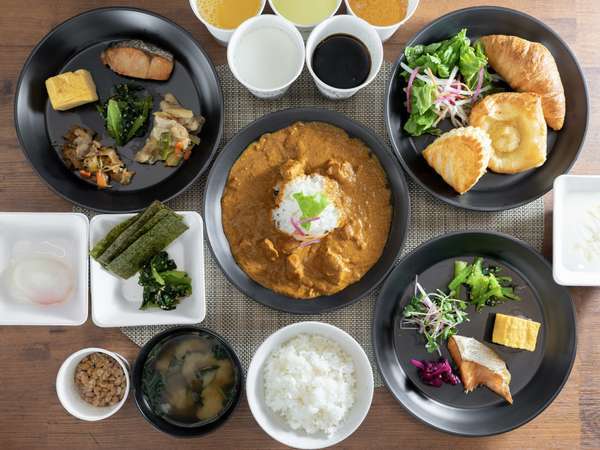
x=222, y=17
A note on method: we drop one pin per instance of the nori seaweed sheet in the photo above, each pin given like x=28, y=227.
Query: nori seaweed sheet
x=142, y=218
x=126, y=239
x=160, y=236
x=113, y=234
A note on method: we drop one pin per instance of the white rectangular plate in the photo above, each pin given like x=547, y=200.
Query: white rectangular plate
x=19, y=231
x=576, y=230
x=116, y=302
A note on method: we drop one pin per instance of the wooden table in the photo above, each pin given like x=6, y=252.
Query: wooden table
x=30, y=414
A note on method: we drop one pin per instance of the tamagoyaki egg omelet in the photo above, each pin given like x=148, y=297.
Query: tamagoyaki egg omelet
x=460, y=157
x=516, y=126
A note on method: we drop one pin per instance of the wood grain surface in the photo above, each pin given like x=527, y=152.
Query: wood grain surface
x=30, y=414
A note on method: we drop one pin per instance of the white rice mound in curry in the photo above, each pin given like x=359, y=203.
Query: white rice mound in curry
x=310, y=382
x=288, y=208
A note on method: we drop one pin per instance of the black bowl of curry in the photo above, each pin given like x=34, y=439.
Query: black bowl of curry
x=306, y=210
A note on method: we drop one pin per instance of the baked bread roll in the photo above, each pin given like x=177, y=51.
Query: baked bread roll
x=460, y=156
x=515, y=124
x=528, y=67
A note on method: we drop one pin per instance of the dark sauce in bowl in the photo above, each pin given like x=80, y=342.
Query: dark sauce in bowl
x=341, y=61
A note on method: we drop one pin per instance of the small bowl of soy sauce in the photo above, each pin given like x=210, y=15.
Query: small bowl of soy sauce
x=343, y=55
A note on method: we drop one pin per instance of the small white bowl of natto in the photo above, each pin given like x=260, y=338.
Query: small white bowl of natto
x=93, y=384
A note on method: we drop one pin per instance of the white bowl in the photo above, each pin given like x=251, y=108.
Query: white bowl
x=116, y=302
x=20, y=232
x=266, y=20
x=272, y=423
x=69, y=396
x=221, y=35
x=305, y=29
x=353, y=26
x=576, y=218
x=388, y=31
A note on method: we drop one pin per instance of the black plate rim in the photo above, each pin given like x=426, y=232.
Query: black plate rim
x=547, y=266
x=453, y=200
x=291, y=303
x=138, y=395
x=95, y=11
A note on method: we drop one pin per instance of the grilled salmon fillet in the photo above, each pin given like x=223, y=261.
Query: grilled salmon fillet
x=480, y=365
x=138, y=59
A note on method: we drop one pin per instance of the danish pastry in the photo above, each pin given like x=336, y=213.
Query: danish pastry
x=515, y=124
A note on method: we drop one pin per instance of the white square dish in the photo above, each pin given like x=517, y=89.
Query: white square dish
x=576, y=230
x=116, y=302
x=64, y=236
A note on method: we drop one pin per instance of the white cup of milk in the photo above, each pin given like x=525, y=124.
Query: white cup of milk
x=357, y=28
x=266, y=54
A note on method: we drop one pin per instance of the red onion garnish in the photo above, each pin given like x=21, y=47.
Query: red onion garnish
x=411, y=79
x=297, y=227
x=307, y=243
x=479, y=84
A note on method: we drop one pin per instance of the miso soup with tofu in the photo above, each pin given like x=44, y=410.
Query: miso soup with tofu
x=190, y=380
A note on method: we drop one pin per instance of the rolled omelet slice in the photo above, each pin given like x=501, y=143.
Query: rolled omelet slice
x=515, y=123
x=460, y=157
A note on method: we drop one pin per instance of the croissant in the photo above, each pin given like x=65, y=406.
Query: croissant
x=528, y=67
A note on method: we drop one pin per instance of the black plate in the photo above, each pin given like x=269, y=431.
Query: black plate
x=494, y=191
x=77, y=44
x=159, y=422
x=537, y=377
x=220, y=247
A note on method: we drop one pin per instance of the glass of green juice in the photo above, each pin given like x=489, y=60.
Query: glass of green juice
x=305, y=14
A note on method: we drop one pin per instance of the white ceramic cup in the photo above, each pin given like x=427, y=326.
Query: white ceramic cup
x=221, y=35
x=303, y=28
x=67, y=390
x=273, y=424
x=353, y=26
x=388, y=31
x=263, y=21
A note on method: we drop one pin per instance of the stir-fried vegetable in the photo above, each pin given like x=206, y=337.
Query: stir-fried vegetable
x=484, y=286
x=443, y=80
x=125, y=114
x=435, y=315
x=163, y=285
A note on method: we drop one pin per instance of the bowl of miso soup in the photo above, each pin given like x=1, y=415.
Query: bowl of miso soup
x=187, y=381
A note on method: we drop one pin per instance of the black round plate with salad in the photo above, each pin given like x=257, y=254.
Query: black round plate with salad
x=455, y=80
x=475, y=312
x=118, y=107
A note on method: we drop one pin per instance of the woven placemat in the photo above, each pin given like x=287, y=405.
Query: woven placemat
x=244, y=322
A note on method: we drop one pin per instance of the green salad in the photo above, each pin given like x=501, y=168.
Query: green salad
x=443, y=80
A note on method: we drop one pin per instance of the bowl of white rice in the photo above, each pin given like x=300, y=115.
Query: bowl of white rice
x=309, y=385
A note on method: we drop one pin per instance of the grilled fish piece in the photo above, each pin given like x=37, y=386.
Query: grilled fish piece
x=138, y=59
x=480, y=365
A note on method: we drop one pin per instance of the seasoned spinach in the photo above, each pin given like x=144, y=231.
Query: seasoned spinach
x=126, y=112
x=163, y=285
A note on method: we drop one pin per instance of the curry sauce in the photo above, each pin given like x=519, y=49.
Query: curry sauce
x=275, y=259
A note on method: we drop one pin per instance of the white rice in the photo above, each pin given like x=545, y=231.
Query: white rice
x=288, y=207
x=310, y=382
